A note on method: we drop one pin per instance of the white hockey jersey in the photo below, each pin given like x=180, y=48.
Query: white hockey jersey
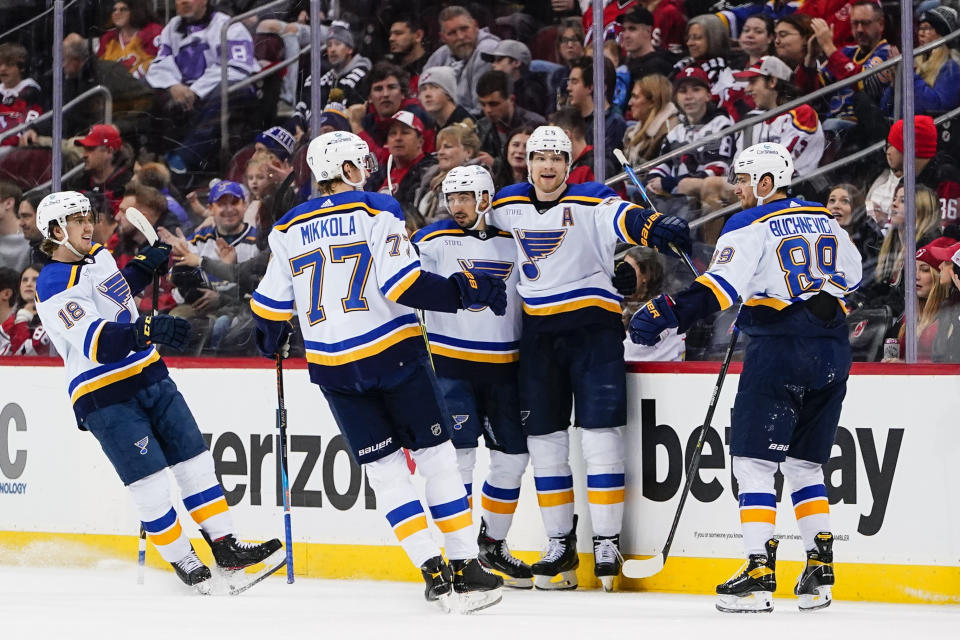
x=565, y=254
x=798, y=130
x=204, y=243
x=712, y=159
x=780, y=253
x=75, y=301
x=340, y=262
x=190, y=54
x=471, y=342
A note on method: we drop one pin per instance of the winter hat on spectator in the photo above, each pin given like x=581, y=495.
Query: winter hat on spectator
x=443, y=77
x=694, y=75
x=925, y=136
x=101, y=135
x=638, y=16
x=340, y=30
x=769, y=66
x=278, y=140
x=226, y=187
x=509, y=49
x=335, y=115
x=942, y=19
x=410, y=120
x=940, y=250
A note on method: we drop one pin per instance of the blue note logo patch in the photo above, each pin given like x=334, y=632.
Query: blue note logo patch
x=142, y=445
x=537, y=245
x=459, y=420
x=116, y=289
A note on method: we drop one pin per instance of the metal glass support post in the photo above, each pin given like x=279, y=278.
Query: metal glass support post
x=56, y=156
x=599, y=96
x=909, y=187
x=316, y=56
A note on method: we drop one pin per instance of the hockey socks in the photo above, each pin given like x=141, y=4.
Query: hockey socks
x=809, y=497
x=501, y=491
x=203, y=495
x=159, y=519
x=603, y=455
x=758, y=501
x=466, y=462
x=447, y=500
x=553, y=480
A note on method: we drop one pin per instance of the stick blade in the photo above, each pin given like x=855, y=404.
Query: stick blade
x=142, y=225
x=643, y=568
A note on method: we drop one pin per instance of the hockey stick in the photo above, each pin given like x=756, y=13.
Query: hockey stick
x=650, y=566
x=282, y=426
x=137, y=219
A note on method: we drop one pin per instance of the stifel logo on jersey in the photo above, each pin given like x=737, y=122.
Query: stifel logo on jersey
x=537, y=245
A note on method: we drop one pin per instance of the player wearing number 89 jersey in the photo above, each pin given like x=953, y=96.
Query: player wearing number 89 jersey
x=792, y=264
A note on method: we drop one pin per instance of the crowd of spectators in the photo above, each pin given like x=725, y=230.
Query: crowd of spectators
x=434, y=85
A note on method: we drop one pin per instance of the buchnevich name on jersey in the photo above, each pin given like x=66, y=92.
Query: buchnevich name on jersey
x=472, y=343
x=800, y=224
x=327, y=228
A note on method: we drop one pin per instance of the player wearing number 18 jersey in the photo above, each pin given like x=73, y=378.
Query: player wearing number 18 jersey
x=791, y=263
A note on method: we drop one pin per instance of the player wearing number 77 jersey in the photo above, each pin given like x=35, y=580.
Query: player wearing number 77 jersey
x=343, y=263
x=792, y=264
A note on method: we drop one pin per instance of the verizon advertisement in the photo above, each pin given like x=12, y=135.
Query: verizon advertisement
x=891, y=479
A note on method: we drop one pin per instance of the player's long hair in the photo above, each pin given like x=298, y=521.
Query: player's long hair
x=890, y=259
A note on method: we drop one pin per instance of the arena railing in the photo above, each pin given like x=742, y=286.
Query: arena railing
x=107, y=110
x=785, y=107
x=224, y=72
x=29, y=21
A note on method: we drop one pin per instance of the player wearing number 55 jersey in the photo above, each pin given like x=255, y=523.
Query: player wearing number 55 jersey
x=343, y=263
x=792, y=264
x=121, y=393
x=571, y=345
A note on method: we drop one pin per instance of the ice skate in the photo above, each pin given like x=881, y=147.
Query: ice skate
x=193, y=572
x=476, y=587
x=815, y=584
x=607, y=559
x=559, y=559
x=439, y=582
x=751, y=590
x=496, y=556
x=233, y=556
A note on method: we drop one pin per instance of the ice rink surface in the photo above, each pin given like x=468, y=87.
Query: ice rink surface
x=106, y=603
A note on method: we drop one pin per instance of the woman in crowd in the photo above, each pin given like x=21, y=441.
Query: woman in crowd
x=649, y=265
x=790, y=37
x=258, y=182
x=652, y=107
x=756, y=38
x=23, y=335
x=457, y=145
x=132, y=40
x=708, y=43
x=511, y=167
x=931, y=294
x=846, y=203
x=570, y=38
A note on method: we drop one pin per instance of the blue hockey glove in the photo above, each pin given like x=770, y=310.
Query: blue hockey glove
x=155, y=259
x=624, y=278
x=173, y=332
x=273, y=337
x=481, y=289
x=651, y=320
x=660, y=231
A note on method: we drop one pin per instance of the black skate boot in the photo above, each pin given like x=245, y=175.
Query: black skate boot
x=751, y=590
x=233, y=556
x=439, y=581
x=477, y=587
x=193, y=572
x=815, y=584
x=559, y=559
x=607, y=559
x=496, y=556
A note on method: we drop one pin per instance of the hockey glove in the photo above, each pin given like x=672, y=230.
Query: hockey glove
x=624, y=278
x=155, y=259
x=273, y=337
x=660, y=231
x=173, y=332
x=481, y=290
x=651, y=320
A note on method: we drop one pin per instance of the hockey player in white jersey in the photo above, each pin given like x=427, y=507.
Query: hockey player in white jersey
x=475, y=355
x=571, y=345
x=343, y=263
x=121, y=392
x=791, y=263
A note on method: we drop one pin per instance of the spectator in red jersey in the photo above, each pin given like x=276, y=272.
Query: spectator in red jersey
x=409, y=162
x=837, y=15
x=708, y=43
x=669, y=24
x=133, y=40
x=19, y=96
x=9, y=285
x=21, y=333
x=105, y=170
x=388, y=95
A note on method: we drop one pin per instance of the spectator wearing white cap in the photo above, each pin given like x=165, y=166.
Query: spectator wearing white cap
x=513, y=58
x=463, y=42
x=437, y=93
x=407, y=160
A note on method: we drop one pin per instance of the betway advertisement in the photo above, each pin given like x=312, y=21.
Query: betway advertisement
x=891, y=478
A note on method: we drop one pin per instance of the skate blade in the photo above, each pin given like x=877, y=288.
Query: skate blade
x=516, y=583
x=607, y=583
x=754, y=602
x=568, y=580
x=444, y=602
x=204, y=588
x=821, y=599
x=240, y=581
x=473, y=601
